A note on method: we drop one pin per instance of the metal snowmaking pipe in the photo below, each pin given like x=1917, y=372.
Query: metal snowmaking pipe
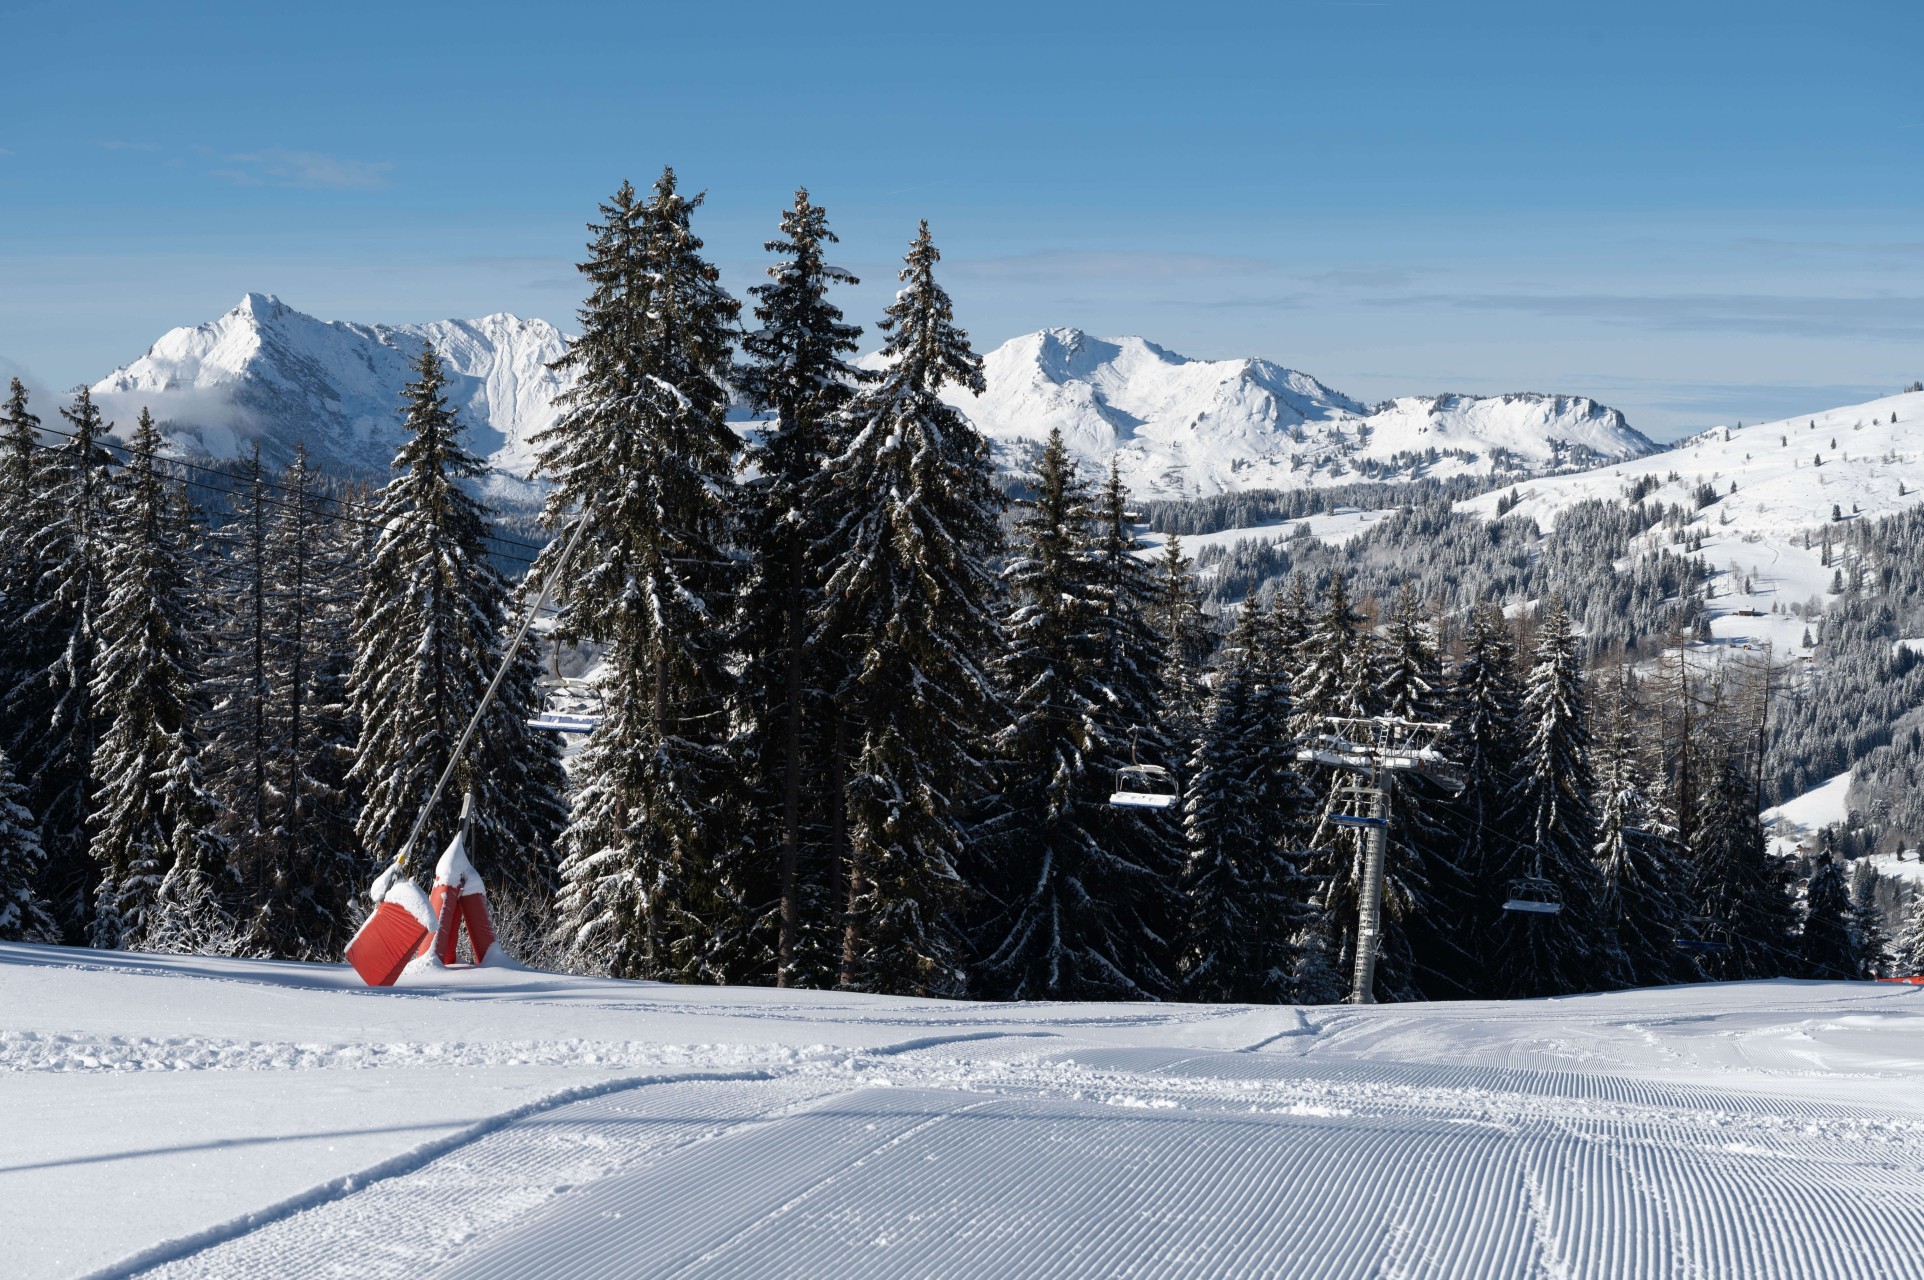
x=494, y=685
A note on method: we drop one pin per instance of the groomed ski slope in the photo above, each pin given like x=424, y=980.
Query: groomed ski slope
x=197, y=1117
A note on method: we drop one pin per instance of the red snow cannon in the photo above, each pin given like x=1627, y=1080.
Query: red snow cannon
x=460, y=901
x=401, y=925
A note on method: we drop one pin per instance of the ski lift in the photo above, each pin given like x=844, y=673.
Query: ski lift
x=1144, y=786
x=1535, y=895
x=1696, y=944
x=564, y=722
x=574, y=706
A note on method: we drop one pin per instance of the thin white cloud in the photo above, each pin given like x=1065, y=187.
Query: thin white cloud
x=118, y=144
x=1079, y=264
x=312, y=170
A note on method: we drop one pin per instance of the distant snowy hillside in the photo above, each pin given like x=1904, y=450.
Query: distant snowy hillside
x=1183, y=427
x=1860, y=460
x=266, y=371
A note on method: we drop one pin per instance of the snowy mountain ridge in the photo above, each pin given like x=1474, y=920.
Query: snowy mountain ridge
x=1183, y=427
x=266, y=371
x=1178, y=426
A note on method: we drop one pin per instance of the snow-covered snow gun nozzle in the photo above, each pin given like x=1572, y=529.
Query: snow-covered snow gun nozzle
x=405, y=923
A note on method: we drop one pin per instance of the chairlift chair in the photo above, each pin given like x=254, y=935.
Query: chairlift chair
x=1144, y=786
x=574, y=706
x=1692, y=939
x=1534, y=895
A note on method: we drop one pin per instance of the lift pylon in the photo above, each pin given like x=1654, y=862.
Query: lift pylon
x=1374, y=751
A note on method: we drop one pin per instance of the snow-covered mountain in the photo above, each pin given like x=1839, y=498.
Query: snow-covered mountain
x=1185, y=427
x=1180, y=427
x=266, y=371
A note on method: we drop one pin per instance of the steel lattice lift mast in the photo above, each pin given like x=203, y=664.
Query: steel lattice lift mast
x=1373, y=751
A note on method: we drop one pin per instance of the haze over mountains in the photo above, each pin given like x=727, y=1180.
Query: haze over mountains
x=1177, y=426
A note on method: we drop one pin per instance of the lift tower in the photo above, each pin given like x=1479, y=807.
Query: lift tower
x=1373, y=751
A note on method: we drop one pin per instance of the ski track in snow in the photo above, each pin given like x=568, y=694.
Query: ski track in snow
x=1756, y=1130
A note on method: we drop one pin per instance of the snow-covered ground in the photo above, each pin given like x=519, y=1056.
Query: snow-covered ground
x=229, y=1118
x=1339, y=526
x=1797, y=821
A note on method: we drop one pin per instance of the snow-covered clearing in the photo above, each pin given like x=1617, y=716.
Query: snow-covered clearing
x=202, y=1117
x=1337, y=527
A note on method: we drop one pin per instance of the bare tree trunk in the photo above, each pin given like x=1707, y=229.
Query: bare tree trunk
x=792, y=778
x=848, y=855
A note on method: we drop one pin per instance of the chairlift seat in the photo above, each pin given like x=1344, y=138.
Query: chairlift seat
x=1143, y=786
x=1534, y=896
x=564, y=722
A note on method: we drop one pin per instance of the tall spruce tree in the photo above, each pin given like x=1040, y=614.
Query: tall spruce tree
x=53, y=701
x=1907, y=949
x=143, y=690
x=1827, y=947
x=1487, y=743
x=193, y=908
x=910, y=517
x=1247, y=932
x=1339, y=675
x=237, y=683
x=1068, y=885
x=428, y=637
x=1176, y=614
x=1640, y=904
x=644, y=454
x=24, y=498
x=1867, y=920
x=302, y=904
x=1541, y=954
x=797, y=370
x=23, y=913
x=1738, y=890
x=1427, y=892
x=1133, y=667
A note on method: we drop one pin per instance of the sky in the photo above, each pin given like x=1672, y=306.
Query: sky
x=1698, y=212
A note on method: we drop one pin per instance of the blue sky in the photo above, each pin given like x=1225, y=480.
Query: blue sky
x=1698, y=212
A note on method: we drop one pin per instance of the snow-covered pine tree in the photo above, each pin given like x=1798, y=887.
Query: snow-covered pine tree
x=1537, y=954
x=303, y=907
x=1289, y=627
x=644, y=454
x=1907, y=949
x=1177, y=617
x=428, y=636
x=796, y=369
x=1066, y=884
x=1425, y=888
x=23, y=914
x=1487, y=743
x=53, y=703
x=1639, y=896
x=236, y=688
x=143, y=689
x=1737, y=889
x=910, y=512
x=1339, y=675
x=1247, y=930
x=1135, y=661
x=23, y=506
x=1867, y=920
x=1827, y=947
